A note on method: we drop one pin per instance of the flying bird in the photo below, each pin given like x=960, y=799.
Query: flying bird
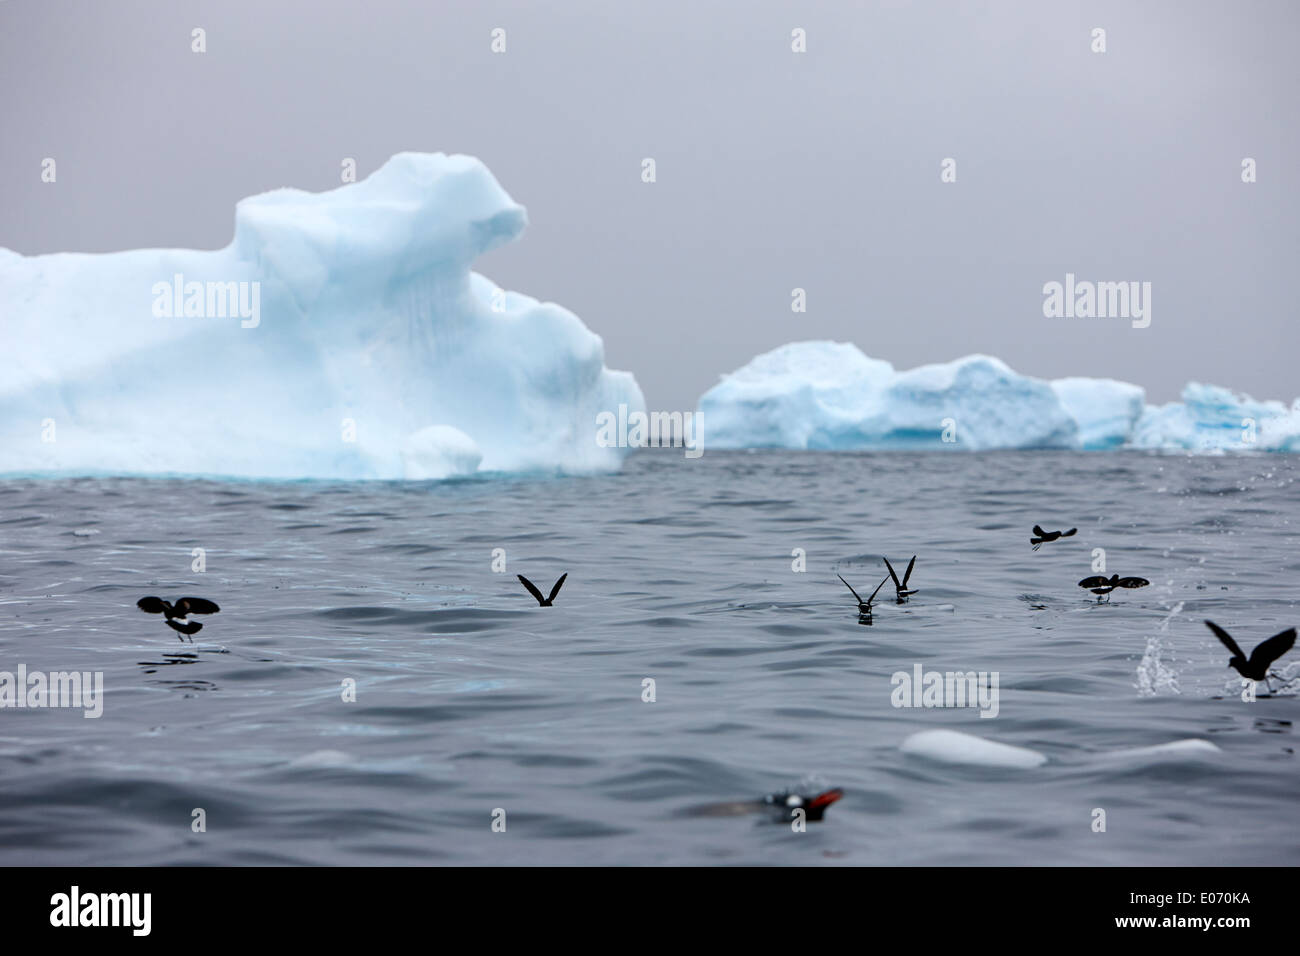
x=902, y=589
x=778, y=807
x=178, y=614
x=864, y=607
x=1261, y=658
x=1041, y=536
x=532, y=589
x=1102, y=585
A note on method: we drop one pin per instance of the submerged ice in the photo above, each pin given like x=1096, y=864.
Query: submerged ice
x=830, y=395
x=340, y=335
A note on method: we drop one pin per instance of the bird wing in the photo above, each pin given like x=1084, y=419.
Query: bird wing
x=1227, y=640
x=1096, y=581
x=855, y=593
x=1277, y=645
x=1066, y=534
x=892, y=574
x=531, y=588
x=556, y=590
x=151, y=605
x=1132, y=582
x=193, y=605
x=908, y=573
x=1039, y=531
x=876, y=591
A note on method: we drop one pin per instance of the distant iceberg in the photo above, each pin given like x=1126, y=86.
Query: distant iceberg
x=1210, y=418
x=340, y=335
x=1105, y=410
x=830, y=395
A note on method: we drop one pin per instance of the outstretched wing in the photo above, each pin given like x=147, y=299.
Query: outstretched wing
x=193, y=605
x=910, y=564
x=531, y=588
x=151, y=605
x=1096, y=581
x=1277, y=645
x=1229, y=643
x=556, y=590
x=1132, y=582
x=876, y=591
x=855, y=593
x=1039, y=531
x=892, y=574
x=1066, y=534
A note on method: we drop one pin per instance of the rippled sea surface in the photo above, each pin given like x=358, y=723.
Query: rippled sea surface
x=470, y=698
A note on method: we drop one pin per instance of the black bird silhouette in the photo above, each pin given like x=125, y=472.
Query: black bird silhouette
x=1042, y=536
x=864, y=607
x=178, y=614
x=1261, y=658
x=532, y=589
x=901, y=589
x=1101, y=585
x=779, y=807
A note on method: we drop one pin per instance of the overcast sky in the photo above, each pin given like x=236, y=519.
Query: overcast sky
x=776, y=170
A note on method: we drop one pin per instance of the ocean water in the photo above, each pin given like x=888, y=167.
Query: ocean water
x=470, y=698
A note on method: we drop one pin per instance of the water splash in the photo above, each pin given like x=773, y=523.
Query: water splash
x=1154, y=674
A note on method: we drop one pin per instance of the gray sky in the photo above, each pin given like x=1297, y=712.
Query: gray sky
x=775, y=170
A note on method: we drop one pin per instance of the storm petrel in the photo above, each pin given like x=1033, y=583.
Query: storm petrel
x=532, y=589
x=1261, y=658
x=864, y=607
x=1041, y=536
x=178, y=614
x=1100, y=585
x=902, y=589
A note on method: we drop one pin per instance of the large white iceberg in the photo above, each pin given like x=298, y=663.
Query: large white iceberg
x=1211, y=418
x=340, y=335
x=829, y=395
x=1105, y=410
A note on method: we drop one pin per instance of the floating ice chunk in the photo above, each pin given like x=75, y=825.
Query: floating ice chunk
x=1191, y=747
x=952, y=746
